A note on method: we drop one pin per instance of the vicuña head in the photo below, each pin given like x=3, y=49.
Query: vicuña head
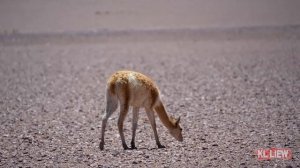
x=176, y=131
x=129, y=88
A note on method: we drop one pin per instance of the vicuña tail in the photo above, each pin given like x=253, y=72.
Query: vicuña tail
x=111, y=101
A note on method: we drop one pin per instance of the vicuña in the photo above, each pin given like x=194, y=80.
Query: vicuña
x=134, y=89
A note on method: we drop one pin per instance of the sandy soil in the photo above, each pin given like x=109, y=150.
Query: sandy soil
x=236, y=90
x=234, y=96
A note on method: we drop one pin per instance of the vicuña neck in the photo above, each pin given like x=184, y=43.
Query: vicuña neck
x=163, y=116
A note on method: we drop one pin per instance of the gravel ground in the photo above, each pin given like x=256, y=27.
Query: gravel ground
x=235, y=93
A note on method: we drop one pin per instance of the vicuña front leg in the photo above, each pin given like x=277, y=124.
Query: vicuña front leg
x=150, y=114
x=135, y=117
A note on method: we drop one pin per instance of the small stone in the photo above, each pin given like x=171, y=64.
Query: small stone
x=115, y=153
x=203, y=139
x=215, y=145
x=134, y=162
x=204, y=148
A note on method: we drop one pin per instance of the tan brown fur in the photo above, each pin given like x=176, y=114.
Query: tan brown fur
x=122, y=77
x=131, y=88
x=165, y=119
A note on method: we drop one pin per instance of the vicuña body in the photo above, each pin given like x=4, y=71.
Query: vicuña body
x=139, y=91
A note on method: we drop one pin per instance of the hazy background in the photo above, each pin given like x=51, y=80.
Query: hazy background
x=36, y=16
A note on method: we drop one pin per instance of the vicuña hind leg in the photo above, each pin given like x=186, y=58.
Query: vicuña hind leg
x=150, y=114
x=111, y=106
x=135, y=117
x=123, y=113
